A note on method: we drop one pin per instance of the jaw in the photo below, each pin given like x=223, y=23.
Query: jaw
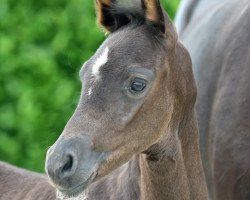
x=75, y=182
x=81, y=196
x=79, y=191
x=110, y=161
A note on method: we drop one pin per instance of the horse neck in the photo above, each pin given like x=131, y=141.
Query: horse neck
x=172, y=169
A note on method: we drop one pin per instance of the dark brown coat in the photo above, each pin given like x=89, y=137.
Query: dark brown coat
x=217, y=34
x=133, y=134
x=20, y=184
x=126, y=145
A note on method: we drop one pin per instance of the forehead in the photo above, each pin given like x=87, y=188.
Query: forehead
x=108, y=71
x=130, y=42
x=123, y=49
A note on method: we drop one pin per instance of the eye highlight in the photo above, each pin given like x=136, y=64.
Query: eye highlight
x=137, y=85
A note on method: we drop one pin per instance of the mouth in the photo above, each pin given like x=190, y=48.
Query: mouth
x=77, y=190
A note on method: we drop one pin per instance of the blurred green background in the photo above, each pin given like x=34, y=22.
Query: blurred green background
x=43, y=44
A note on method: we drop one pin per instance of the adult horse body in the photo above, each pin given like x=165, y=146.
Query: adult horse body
x=20, y=184
x=217, y=35
x=133, y=134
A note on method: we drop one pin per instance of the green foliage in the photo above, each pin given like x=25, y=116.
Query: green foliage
x=43, y=44
x=170, y=6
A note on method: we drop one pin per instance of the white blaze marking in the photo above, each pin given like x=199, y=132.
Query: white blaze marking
x=90, y=91
x=100, y=61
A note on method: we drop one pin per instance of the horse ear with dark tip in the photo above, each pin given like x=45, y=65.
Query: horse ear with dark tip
x=154, y=14
x=106, y=16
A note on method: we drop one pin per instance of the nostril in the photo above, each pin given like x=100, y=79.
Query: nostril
x=69, y=163
x=68, y=167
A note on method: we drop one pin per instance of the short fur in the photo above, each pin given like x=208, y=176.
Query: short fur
x=154, y=13
x=150, y=141
x=217, y=34
x=20, y=184
x=147, y=143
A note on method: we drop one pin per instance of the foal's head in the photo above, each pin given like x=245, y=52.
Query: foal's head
x=132, y=88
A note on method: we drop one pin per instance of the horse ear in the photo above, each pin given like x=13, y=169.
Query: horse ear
x=154, y=14
x=107, y=17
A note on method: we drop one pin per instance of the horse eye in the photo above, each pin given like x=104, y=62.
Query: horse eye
x=138, y=85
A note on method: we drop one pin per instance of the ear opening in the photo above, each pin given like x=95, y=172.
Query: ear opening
x=153, y=14
x=108, y=17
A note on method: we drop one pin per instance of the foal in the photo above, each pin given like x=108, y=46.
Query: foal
x=133, y=134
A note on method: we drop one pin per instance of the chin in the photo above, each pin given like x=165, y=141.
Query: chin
x=80, y=195
x=77, y=193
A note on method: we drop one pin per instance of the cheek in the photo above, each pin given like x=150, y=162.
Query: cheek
x=128, y=113
x=121, y=112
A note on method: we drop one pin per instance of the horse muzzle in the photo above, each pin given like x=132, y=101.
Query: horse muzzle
x=72, y=164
